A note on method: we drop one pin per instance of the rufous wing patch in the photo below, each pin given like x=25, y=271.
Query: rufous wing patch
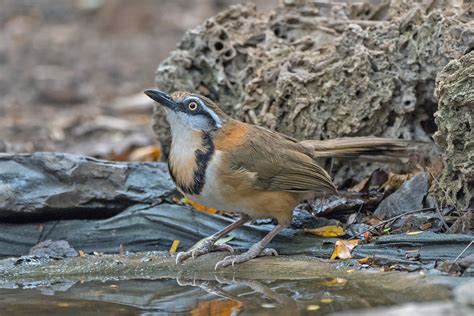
x=232, y=135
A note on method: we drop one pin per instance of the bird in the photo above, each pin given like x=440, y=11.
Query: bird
x=230, y=165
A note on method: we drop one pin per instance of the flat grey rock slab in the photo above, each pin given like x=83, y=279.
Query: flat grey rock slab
x=46, y=185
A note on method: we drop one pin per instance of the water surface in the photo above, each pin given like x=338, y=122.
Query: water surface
x=215, y=296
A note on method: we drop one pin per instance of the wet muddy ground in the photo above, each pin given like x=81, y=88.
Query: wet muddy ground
x=151, y=283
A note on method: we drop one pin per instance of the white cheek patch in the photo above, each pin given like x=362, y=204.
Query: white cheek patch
x=195, y=121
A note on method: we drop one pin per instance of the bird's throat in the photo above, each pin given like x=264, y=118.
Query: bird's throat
x=189, y=157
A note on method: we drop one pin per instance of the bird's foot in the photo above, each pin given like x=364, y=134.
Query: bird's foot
x=254, y=251
x=207, y=246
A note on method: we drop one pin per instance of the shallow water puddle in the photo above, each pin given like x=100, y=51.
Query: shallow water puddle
x=218, y=296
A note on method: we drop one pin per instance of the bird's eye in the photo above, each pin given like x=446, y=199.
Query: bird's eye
x=192, y=106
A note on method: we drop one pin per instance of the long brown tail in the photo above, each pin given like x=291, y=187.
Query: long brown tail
x=371, y=148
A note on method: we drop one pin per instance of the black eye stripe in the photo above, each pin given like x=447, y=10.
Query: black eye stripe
x=183, y=106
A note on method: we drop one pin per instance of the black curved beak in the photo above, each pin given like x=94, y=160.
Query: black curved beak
x=162, y=98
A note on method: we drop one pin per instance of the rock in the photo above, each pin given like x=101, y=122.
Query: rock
x=419, y=309
x=302, y=68
x=418, y=221
x=147, y=228
x=44, y=186
x=430, y=246
x=464, y=293
x=303, y=219
x=407, y=198
x=357, y=230
x=53, y=249
x=455, y=135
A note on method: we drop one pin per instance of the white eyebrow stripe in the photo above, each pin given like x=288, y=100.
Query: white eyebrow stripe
x=214, y=116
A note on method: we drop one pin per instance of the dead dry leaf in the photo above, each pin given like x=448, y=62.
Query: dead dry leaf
x=361, y=186
x=394, y=181
x=174, y=246
x=343, y=249
x=327, y=300
x=374, y=221
x=199, y=207
x=366, y=260
x=376, y=179
x=367, y=236
x=147, y=153
x=327, y=231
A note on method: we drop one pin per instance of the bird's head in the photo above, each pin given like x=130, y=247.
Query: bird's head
x=189, y=110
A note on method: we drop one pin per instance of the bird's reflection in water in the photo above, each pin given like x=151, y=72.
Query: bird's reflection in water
x=247, y=294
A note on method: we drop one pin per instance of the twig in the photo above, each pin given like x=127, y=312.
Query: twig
x=441, y=217
x=42, y=237
x=463, y=251
x=382, y=223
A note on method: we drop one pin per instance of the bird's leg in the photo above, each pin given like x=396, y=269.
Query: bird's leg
x=254, y=251
x=208, y=245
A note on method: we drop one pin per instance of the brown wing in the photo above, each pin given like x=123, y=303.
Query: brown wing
x=280, y=163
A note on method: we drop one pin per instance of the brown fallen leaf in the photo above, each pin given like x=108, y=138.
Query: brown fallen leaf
x=343, y=249
x=374, y=221
x=199, y=207
x=426, y=226
x=394, y=180
x=361, y=186
x=327, y=231
x=147, y=153
x=367, y=236
x=376, y=179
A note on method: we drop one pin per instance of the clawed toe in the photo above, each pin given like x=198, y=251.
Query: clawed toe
x=202, y=250
x=223, y=247
x=268, y=252
x=246, y=256
x=227, y=261
x=181, y=256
